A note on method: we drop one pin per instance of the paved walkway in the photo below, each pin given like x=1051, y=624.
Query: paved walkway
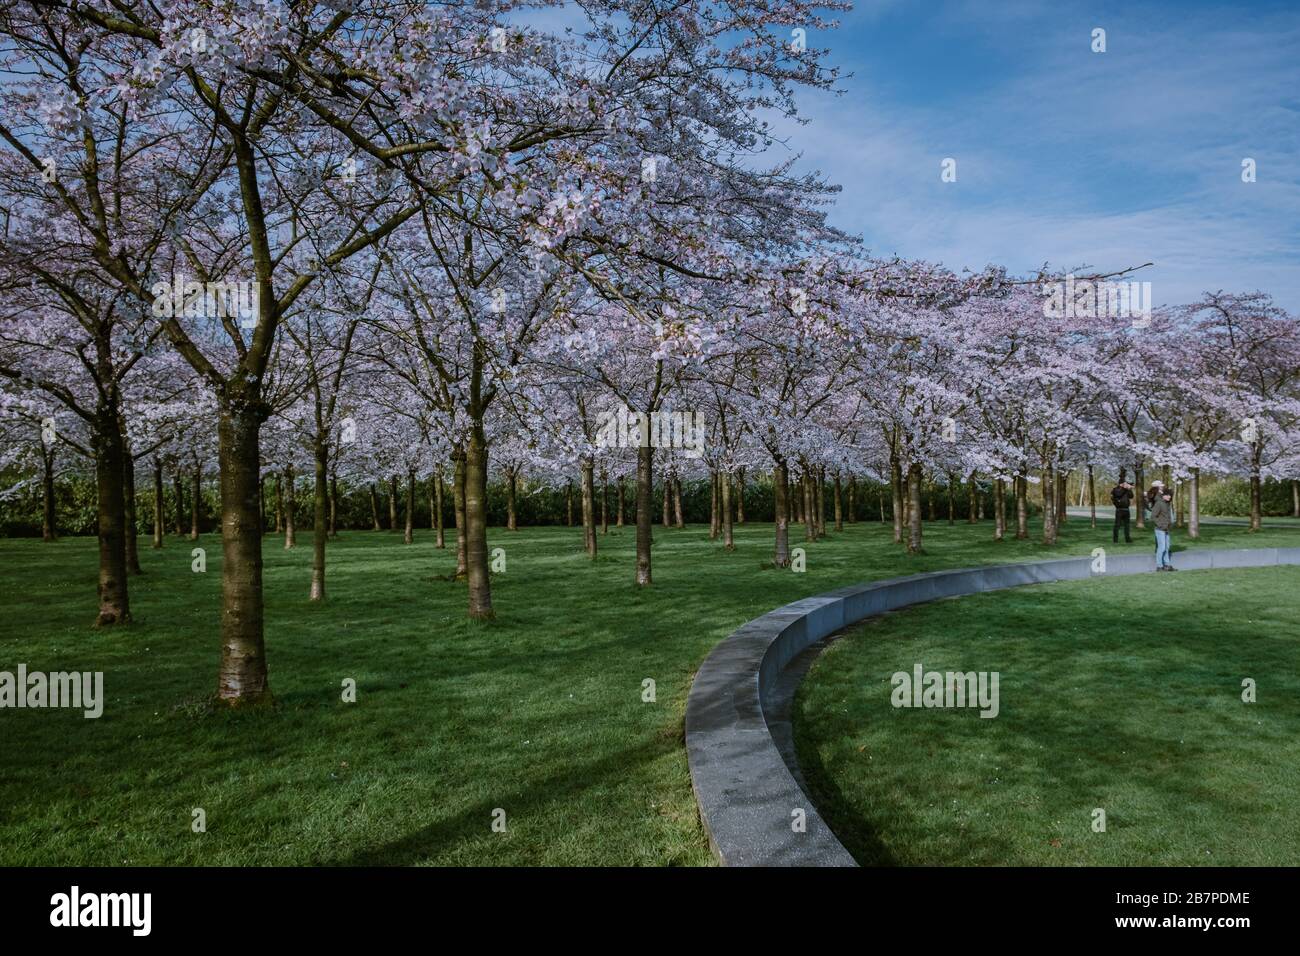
x=738, y=739
x=1107, y=513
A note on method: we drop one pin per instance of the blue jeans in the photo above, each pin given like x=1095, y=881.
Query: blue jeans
x=1162, y=549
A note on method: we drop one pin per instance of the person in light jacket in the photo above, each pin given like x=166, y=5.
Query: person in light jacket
x=1162, y=516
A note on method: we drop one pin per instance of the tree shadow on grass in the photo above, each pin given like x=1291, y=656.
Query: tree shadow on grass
x=473, y=822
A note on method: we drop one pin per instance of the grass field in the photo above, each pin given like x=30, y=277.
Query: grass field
x=1122, y=694
x=539, y=713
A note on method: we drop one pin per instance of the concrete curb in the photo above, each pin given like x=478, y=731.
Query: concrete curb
x=747, y=791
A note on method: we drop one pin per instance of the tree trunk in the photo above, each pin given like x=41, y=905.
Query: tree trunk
x=715, y=519
x=568, y=505
x=512, y=523
x=740, y=497
x=1295, y=498
x=334, y=505
x=588, y=472
x=851, y=506
x=178, y=492
x=668, y=485
x=433, y=513
x=621, y=502
x=896, y=487
x=604, y=501
x=1022, y=507
x=809, y=505
x=158, y=519
x=196, y=500
x=476, y=549
x=290, y=529
x=1256, y=496
x=458, y=496
x=1049, y=503
x=644, y=490
x=128, y=513
x=320, y=528
x=839, y=504
x=279, y=503
x=952, y=503
x=972, y=500
x=781, y=555
x=242, y=678
x=1194, y=505
x=679, y=513
x=408, y=533
x=728, y=541
x=914, y=510
x=1092, y=496
x=819, y=501
x=374, y=506
x=437, y=510
x=1000, y=510
x=392, y=502
x=114, y=600
x=48, y=531
x=1139, y=481
x=1062, y=501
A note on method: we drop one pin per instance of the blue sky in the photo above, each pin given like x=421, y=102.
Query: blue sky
x=1105, y=159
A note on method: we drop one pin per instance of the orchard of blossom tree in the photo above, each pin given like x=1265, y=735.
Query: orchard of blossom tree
x=401, y=402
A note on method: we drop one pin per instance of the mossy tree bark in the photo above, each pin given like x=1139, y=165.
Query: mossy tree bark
x=114, y=600
x=242, y=678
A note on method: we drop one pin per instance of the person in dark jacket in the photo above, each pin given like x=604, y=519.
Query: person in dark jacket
x=1121, y=496
x=1162, y=516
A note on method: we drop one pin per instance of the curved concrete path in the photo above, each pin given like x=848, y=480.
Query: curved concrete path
x=1106, y=513
x=746, y=780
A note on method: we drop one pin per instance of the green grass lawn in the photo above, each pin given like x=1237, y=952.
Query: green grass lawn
x=539, y=713
x=1123, y=694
